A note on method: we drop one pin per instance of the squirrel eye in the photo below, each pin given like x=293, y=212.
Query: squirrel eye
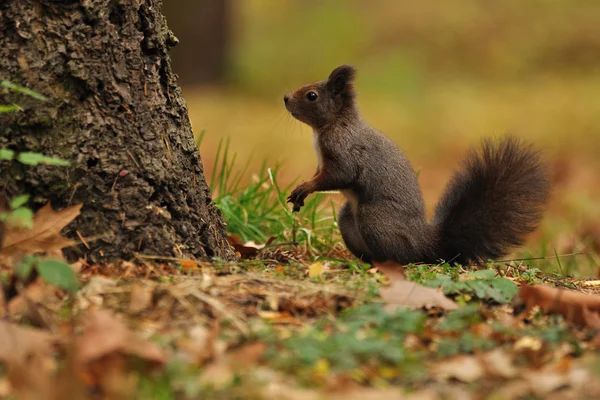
x=312, y=96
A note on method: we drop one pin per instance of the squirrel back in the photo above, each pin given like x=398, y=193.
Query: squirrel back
x=488, y=207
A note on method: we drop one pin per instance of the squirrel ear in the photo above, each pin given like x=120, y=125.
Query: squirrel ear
x=340, y=79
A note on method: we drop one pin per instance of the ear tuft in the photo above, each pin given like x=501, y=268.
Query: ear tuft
x=340, y=80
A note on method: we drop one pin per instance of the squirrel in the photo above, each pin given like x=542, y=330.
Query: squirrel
x=489, y=205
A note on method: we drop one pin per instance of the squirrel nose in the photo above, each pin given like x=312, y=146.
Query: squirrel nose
x=286, y=98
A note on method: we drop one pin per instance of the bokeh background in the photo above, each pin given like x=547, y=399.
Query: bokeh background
x=434, y=76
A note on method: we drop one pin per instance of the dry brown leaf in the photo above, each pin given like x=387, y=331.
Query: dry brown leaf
x=45, y=234
x=92, y=293
x=27, y=302
x=100, y=354
x=402, y=293
x=217, y=374
x=104, y=334
x=248, y=249
x=249, y=354
x=141, y=297
x=222, y=371
x=463, y=368
x=409, y=294
x=28, y=356
x=567, y=303
x=545, y=381
x=591, y=318
x=498, y=363
x=20, y=343
x=201, y=344
x=394, y=271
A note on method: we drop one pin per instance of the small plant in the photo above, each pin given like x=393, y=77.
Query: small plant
x=19, y=215
x=54, y=272
x=366, y=335
x=483, y=285
x=20, y=218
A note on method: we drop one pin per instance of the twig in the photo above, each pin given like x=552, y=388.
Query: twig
x=186, y=304
x=543, y=258
x=215, y=303
x=82, y=239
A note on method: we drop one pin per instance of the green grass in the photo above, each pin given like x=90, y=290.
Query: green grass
x=257, y=210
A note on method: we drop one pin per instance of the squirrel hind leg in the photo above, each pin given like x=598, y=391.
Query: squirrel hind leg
x=351, y=235
x=392, y=238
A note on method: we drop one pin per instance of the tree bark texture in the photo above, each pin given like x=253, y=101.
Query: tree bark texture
x=116, y=112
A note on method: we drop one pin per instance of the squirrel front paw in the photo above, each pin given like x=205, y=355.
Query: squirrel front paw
x=298, y=195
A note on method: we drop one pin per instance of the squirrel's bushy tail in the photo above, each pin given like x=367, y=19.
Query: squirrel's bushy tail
x=491, y=203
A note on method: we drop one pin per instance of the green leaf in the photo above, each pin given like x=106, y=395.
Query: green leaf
x=58, y=273
x=507, y=287
x=482, y=274
x=8, y=108
x=21, y=217
x=6, y=154
x=30, y=158
x=21, y=89
x=23, y=267
x=19, y=201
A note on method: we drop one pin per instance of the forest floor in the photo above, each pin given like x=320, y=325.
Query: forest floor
x=295, y=318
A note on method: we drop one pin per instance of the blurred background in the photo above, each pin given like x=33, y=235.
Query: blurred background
x=434, y=76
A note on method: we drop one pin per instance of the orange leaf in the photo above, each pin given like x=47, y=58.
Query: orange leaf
x=571, y=305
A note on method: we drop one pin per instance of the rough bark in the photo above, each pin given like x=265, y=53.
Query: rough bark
x=117, y=113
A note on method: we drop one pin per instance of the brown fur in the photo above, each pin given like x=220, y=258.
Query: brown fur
x=489, y=205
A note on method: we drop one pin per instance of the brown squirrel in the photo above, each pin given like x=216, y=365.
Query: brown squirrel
x=489, y=205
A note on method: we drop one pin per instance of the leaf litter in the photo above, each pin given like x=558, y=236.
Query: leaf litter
x=227, y=323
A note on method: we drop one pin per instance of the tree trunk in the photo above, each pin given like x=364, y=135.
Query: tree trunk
x=116, y=112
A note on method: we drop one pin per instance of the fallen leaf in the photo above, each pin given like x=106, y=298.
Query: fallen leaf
x=19, y=343
x=27, y=354
x=103, y=334
x=463, y=368
x=187, y=265
x=528, y=343
x=394, y=271
x=217, y=374
x=223, y=370
x=280, y=269
x=45, y=234
x=545, y=381
x=249, y=354
x=590, y=283
x=140, y=297
x=316, y=269
x=248, y=249
x=591, y=318
x=402, y=293
x=567, y=303
x=93, y=291
x=276, y=317
x=498, y=363
x=201, y=344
